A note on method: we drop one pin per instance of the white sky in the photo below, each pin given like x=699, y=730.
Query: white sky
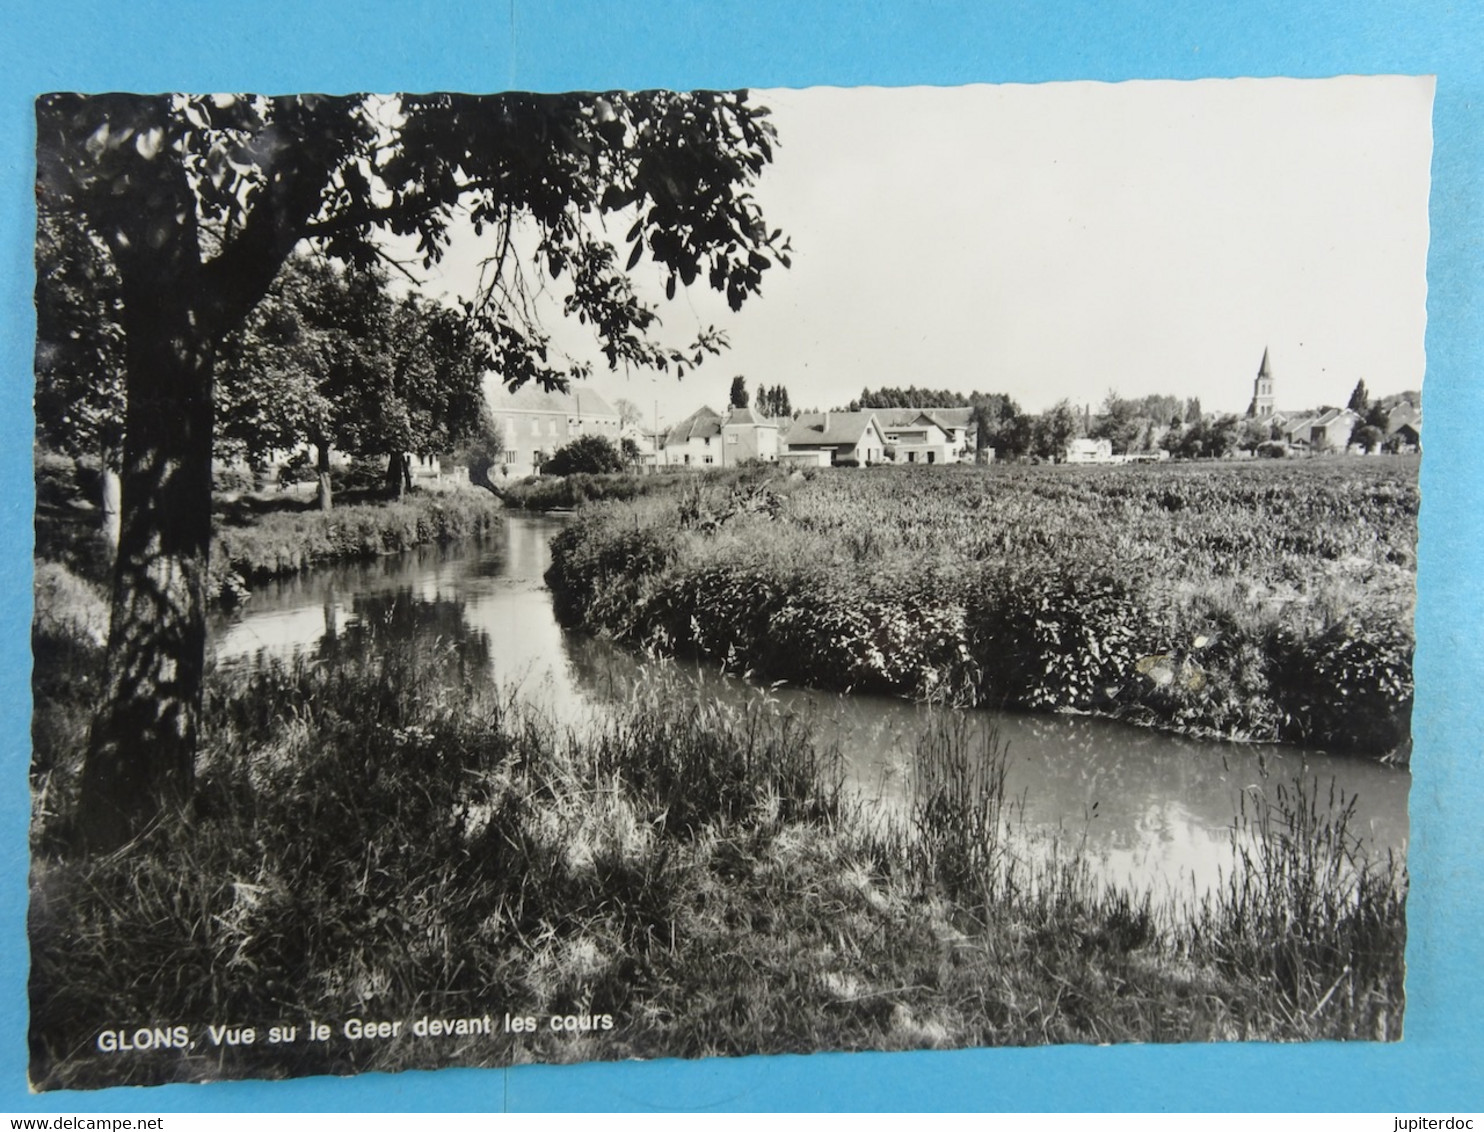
x=1065, y=239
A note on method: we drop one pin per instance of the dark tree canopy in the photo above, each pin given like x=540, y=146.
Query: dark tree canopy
x=773, y=401
x=1054, y=431
x=910, y=397
x=591, y=454
x=330, y=358
x=199, y=200
x=79, y=343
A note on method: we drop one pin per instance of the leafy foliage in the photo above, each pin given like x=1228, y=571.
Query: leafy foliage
x=1055, y=430
x=330, y=357
x=592, y=455
x=773, y=402
x=79, y=342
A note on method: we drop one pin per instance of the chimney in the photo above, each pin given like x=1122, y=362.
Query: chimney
x=826, y=422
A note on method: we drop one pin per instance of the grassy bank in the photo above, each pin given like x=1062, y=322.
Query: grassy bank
x=252, y=547
x=255, y=538
x=1264, y=601
x=393, y=840
x=565, y=493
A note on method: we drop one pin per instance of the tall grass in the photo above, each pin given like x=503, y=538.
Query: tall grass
x=1259, y=602
x=284, y=542
x=1304, y=907
x=386, y=838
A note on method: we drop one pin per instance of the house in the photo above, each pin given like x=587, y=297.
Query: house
x=1326, y=431
x=531, y=422
x=1403, y=428
x=928, y=436
x=1087, y=450
x=695, y=442
x=960, y=427
x=845, y=438
x=747, y=435
x=917, y=436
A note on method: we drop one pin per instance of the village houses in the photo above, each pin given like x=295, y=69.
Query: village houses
x=926, y=436
x=1329, y=429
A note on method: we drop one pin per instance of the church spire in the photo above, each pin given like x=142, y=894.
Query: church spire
x=1262, y=390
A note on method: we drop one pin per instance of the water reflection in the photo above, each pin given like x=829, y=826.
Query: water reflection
x=1152, y=808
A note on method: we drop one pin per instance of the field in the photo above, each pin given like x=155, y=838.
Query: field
x=1263, y=601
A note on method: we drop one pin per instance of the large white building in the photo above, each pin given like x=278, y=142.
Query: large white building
x=531, y=423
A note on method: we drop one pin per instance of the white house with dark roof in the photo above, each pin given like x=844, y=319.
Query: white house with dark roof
x=917, y=436
x=842, y=437
x=695, y=442
x=928, y=436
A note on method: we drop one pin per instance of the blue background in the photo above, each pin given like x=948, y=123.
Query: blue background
x=276, y=46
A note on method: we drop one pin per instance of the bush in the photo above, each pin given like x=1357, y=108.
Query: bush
x=1056, y=640
x=229, y=479
x=1350, y=687
x=1160, y=595
x=285, y=542
x=548, y=493
x=591, y=454
x=358, y=475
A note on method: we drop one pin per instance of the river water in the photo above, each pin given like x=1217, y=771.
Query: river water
x=1147, y=808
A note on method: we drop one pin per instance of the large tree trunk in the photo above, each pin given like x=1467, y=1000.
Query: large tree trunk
x=120, y=159
x=141, y=753
x=322, y=457
x=141, y=757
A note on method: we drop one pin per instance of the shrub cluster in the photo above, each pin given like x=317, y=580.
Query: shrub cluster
x=1265, y=602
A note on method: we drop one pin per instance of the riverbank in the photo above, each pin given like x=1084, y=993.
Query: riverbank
x=253, y=547
x=257, y=537
x=566, y=493
x=391, y=839
x=1265, y=602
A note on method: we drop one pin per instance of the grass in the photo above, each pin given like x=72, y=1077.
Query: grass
x=392, y=838
x=566, y=493
x=255, y=538
x=1269, y=601
x=258, y=547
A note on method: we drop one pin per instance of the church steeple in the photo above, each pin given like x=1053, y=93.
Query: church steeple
x=1262, y=390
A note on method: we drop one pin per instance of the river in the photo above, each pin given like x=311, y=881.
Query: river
x=1149, y=809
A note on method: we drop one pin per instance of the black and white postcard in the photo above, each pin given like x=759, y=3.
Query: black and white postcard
x=653, y=574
